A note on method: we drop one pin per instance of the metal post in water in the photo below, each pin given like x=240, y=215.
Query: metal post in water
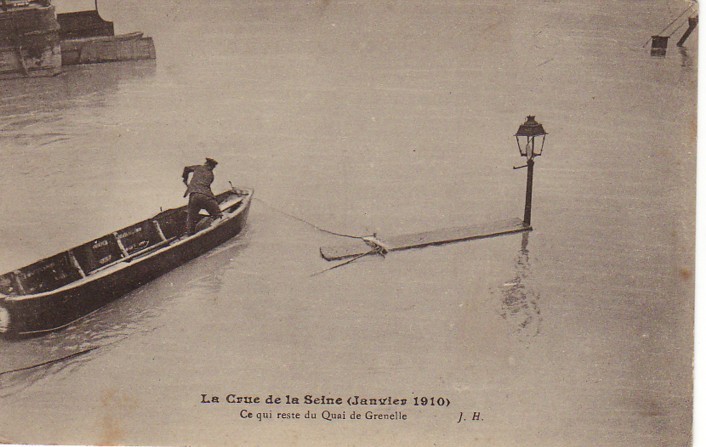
x=693, y=21
x=528, y=193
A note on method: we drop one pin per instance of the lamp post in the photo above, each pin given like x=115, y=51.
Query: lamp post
x=525, y=136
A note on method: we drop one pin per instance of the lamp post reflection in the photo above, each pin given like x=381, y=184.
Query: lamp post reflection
x=520, y=302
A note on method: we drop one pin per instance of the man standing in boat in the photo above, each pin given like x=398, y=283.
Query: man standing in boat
x=199, y=192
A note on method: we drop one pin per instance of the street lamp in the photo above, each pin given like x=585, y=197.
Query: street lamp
x=526, y=136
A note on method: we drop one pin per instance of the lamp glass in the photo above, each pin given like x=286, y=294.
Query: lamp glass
x=530, y=129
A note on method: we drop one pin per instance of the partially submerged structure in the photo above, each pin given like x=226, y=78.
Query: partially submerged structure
x=29, y=39
x=35, y=41
x=88, y=39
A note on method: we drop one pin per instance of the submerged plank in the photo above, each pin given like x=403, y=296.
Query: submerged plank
x=424, y=239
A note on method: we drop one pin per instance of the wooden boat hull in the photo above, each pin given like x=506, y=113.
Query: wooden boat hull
x=51, y=310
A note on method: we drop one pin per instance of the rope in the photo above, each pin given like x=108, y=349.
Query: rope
x=670, y=24
x=678, y=17
x=679, y=27
x=370, y=240
x=307, y=222
x=50, y=362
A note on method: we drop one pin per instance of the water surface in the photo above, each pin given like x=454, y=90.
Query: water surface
x=362, y=117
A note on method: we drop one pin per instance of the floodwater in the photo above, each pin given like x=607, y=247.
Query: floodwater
x=361, y=117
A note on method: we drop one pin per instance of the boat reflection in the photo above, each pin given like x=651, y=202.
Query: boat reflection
x=520, y=302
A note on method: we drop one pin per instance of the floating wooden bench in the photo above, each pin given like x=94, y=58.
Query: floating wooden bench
x=418, y=240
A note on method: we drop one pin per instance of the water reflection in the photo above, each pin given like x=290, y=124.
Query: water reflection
x=520, y=303
x=687, y=60
x=74, y=82
x=33, y=109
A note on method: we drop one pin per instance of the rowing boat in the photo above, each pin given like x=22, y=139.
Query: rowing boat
x=56, y=291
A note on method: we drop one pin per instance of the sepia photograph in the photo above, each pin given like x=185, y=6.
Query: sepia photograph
x=348, y=222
